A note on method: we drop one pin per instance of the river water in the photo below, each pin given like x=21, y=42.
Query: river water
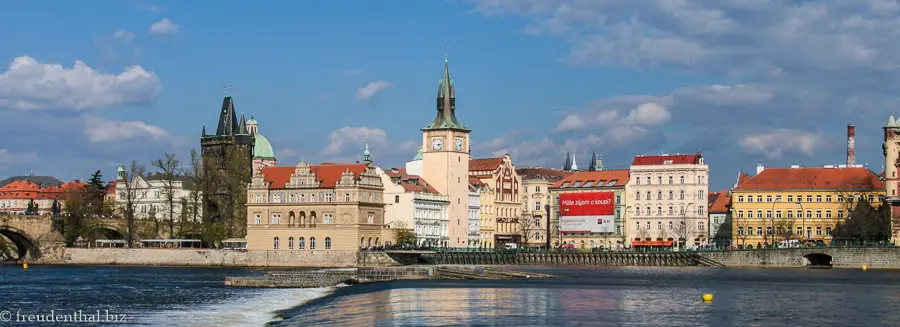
x=589, y=296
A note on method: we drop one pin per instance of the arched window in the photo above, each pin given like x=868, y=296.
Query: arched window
x=291, y=243
x=670, y=179
x=659, y=195
x=312, y=243
x=637, y=196
x=376, y=242
x=362, y=242
x=301, y=244
x=276, y=243
x=671, y=195
x=681, y=196
x=648, y=195
x=328, y=243
x=369, y=243
x=682, y=179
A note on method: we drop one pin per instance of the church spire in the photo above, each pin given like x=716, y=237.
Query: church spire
x=367, y=156
x=446, y=103
x=574, y=165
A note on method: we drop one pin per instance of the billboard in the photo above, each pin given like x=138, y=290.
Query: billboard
x=591, y=212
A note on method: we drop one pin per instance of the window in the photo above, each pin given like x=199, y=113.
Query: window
x=670, y=180
x=681, y=212
x=275, y=243
x=312, y=197
x=291, y=243
x=819, y=214
x=648, y=211
x=759, y=230
x=537, y=189
x=758, y=213
x=700, y=194
x=659, y=211
x=638, y=180
x=671, y=195
x=768, y=198
x=809, y=198
x=740, y=230
x=740, y=213
x=670, y=225
x=637, y=225
x=659, y=180
x=648, y=180
x=327, y=219
x=301, y=243
x=396, y=199
x=827, y=230
x=871, y=198
x=759, y=198
x=276, y=219
x=768, y=230
x=740, y=198
x=701, y=210
x=618, y=199
x=648, y=225
x=700, y=225
x=790, y=198
x=778, y=198
x=659, y=195
x=749, y=198
x=328, y=197
x=637, y=195
x=648, y=196
x=312, y=243
x=799, y=214
x=346, y=197
x=537, y=205
x=257, y=198
x=258, y=220
x=818, y=198
x=827, y=213
x=370, y=219
x=768, y=213
x=778, y=214
x=637, y=211
x=671, y=211
x=658, y=225
x=808, y=213
x=828, y=198
x=328, y=243
x=818, y=230
x=291, y=198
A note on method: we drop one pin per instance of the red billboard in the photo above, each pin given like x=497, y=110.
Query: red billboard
x=591, y=212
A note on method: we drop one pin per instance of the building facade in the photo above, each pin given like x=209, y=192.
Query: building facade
x=536, y=183
x=151, y=200
x=799, y=203
x=316, y=207
x=474, y=216
x=891, y=147
x=667, y=198
x=487, y=217
x=413, y=204
x=720, y=217
x=15, y=195
x=504, y=188
x=445, y=160
x=231, y=142
x=614, y=181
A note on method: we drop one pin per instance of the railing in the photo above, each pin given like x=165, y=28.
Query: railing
x=836, y=244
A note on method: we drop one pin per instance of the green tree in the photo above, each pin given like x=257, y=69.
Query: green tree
x=95, y=193
x=131, y=191
x=233, y=185
x=865, y=224
x=30, y=209
x=404, y=236
x=74, y=222
x=168, y=168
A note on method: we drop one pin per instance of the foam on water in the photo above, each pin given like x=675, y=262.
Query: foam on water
x=255, y=309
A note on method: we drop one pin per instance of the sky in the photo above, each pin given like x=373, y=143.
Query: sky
x=89, y=85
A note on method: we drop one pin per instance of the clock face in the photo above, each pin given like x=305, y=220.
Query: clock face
x=436, y=143
x=459, y=144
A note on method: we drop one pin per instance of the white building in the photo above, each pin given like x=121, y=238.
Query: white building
x=719, y=214
x=150, y=196
x=668, y=200
x=474, y=216
x=410, y=202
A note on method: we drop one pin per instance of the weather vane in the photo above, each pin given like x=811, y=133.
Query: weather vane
x=446, y=53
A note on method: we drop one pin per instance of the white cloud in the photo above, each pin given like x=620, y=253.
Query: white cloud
x=368, y=91
x=100, y=130
x=31, y=85
x=575, y=122
x=649, y=114
x=776, y=143
x=123, y=35
x=164, y=27
x=354, y=137
x=10, y=158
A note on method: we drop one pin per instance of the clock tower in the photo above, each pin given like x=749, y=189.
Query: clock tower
x=445, y=160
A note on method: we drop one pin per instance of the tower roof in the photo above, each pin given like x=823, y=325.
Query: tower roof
x=228, y=121
x=892, y=122
x=252, y=120
x=262, y=148
x=446, y=104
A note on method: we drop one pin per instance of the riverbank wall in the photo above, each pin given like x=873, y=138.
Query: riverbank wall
x=205, y=257
x=879, y=258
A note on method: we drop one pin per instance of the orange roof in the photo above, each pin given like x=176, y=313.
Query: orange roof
x=742, y=177
x=475, y=182
x=674, y=159
x=410, y=183
x=591, y=179
x=23, y=189
x=484, y=164
x=812, y=178
x=719, y=202
x=328, y=174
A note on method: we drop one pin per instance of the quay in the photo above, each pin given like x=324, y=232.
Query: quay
x=332, y=277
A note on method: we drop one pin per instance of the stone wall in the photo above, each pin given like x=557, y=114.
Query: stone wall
x=204, y=257
x=841, y=257
x=380, y=274
x=380, y=258
x=292, y=279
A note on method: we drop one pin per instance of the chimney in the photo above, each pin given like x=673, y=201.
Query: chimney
x=851, y=145
x=759, y=168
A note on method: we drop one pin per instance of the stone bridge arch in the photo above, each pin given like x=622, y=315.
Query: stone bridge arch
x=819, y=259
x=107, y=231
x=26, y=246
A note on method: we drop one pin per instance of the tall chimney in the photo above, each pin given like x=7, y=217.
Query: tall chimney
x=851, y=145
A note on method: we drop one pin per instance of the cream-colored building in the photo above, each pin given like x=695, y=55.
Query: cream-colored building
x=413, y=204
x=474, y=216
x=486, y=214
x=667, y=200
x=445, y=161
x=614, y=181
x=536, y=184
x=150, y=197
x=316, y=207
x=504, y=191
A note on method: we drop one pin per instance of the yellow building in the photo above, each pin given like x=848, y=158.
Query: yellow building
x=501, y=204
x=536, y=184
x=798, y=203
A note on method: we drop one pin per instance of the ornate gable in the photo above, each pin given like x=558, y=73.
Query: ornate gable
x=347, y=179
x=303, y=177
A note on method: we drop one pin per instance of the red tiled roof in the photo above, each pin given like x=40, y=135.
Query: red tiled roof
x=551, y=175
x=620, y=176
x=813, y=178
x=476, y=182
x=327, y=173
x=719, y=202
x=484, y=164
x=23, y=189
x=410, y=183
x=742, y=177
x=677, y=159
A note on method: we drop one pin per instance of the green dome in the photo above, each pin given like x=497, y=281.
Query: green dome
x=262, y=149
x=252, y=121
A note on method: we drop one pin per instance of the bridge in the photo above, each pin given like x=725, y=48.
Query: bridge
x=34, y=236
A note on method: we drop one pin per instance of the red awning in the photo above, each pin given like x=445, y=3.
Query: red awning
x=651, y=243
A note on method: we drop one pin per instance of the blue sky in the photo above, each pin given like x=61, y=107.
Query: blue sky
x=774, y=82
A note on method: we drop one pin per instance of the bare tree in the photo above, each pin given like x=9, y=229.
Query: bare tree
x=528, y=225
x=683, y=230
x=197, y=185
x=784, y=228
x=851, y=191
x=168, y=167
x=131, y=192
x=644, y=233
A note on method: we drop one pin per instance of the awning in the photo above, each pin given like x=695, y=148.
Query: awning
x=651, y=243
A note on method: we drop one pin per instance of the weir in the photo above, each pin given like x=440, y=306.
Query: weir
x=669, y=259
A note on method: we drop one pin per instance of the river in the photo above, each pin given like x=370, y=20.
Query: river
x=589, y=296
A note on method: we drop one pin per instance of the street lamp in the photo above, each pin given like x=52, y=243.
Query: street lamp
x=803, y=228
x=684, y=227
x=547, y=208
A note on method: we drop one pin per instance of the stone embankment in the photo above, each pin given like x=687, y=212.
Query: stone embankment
x=331, y=277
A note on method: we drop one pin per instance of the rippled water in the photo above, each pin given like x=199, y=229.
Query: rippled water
x=620, y=296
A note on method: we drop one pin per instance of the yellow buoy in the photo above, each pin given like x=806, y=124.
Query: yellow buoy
x=25, y=266
x=707, y=297
x=864, y=267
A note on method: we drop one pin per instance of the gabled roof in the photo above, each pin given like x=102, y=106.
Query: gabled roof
x=804, y=178
x=673, y=159
x=486, y=164
x=410, y=183
x=328, y=174
x=550, y=175
x=594, y=179
x=719, y=202
x=39, y=180
x=742, y=177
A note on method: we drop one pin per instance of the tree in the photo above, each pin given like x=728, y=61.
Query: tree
x=168, y=167
x=131, y=192
x=197, y=184
x=528, y=226
x=30, y=209
x=684, y=229
x=865, y=224
x=36, y=209
x=75, y=220
x=232, y=191
x=95, y=193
